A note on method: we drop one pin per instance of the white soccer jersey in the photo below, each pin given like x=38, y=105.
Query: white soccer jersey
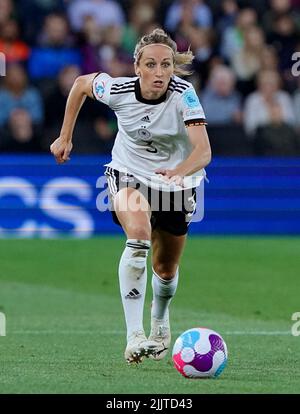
x=152, y=133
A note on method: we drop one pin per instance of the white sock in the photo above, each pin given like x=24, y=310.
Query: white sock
x=163, y=292
x=133, y=281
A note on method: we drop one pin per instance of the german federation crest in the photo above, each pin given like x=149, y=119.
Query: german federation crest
x=144, y=134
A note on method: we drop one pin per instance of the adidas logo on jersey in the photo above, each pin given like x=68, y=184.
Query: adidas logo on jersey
x=146, y=119
x=133, y=294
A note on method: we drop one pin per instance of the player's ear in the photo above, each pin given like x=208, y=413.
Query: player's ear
x=137, y=70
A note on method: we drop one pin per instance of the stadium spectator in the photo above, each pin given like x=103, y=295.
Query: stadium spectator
x=104, y=133
x=11, y=45
x=221, y=101
x=185, y=24
x=16, y=93
x=20, y=134
x=285, y=39
x=90, y=42
x=6, y=11
x=113, y=58
x=277, y=9
x=96, y=129
x=32, y=13
x=228, y=15
x=269, y=58
x=55, y=101
x=200, y=11
x=106, y=31
x=260, y=6
x=105, y=50
x=277, y=138
x=55, y=49
x=201, y=42
x=140, y=15
x=232, y=39
x=267, y=103
x=105, y=12
x=246, y=63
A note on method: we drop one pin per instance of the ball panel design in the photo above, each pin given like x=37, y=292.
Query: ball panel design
x=178, y=345
x=179, y=363
x=191, y=372
x=203, y=363
x=203, y=345
x=190, y=337
x=221, y=368
x=187, y=354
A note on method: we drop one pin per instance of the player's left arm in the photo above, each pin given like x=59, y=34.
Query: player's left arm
x=199, y=158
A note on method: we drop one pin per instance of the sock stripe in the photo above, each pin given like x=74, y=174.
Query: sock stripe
x=139, y=245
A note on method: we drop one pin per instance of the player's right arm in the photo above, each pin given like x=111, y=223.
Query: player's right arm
x=81, y=88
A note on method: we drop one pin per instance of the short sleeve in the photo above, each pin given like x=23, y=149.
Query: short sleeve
x=101, y=87
x=191, y=108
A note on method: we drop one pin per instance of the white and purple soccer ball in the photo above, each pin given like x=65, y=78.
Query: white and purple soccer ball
x=200, y=353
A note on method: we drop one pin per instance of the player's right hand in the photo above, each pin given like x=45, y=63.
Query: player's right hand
x=61, y=150
x=170, y=176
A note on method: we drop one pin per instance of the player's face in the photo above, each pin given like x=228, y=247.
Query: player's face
x=155, y=69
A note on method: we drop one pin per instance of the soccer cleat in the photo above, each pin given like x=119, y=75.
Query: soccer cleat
x=161, y=335
x=139, y=347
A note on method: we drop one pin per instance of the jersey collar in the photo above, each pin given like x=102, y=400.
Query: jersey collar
x=138, y=95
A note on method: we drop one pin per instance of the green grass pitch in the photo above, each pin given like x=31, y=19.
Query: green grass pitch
x=65, y=326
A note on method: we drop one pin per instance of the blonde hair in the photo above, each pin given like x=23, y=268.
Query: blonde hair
x=159, y=36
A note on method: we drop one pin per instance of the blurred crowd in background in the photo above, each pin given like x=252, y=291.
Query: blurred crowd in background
x=242, y=69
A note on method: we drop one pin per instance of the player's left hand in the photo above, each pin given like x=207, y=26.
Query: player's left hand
x=170, y=176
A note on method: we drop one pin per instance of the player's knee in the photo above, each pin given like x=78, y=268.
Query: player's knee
x=138, y=231
x=166, y=271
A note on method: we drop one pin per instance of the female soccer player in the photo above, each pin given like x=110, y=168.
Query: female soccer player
x=158, y=160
